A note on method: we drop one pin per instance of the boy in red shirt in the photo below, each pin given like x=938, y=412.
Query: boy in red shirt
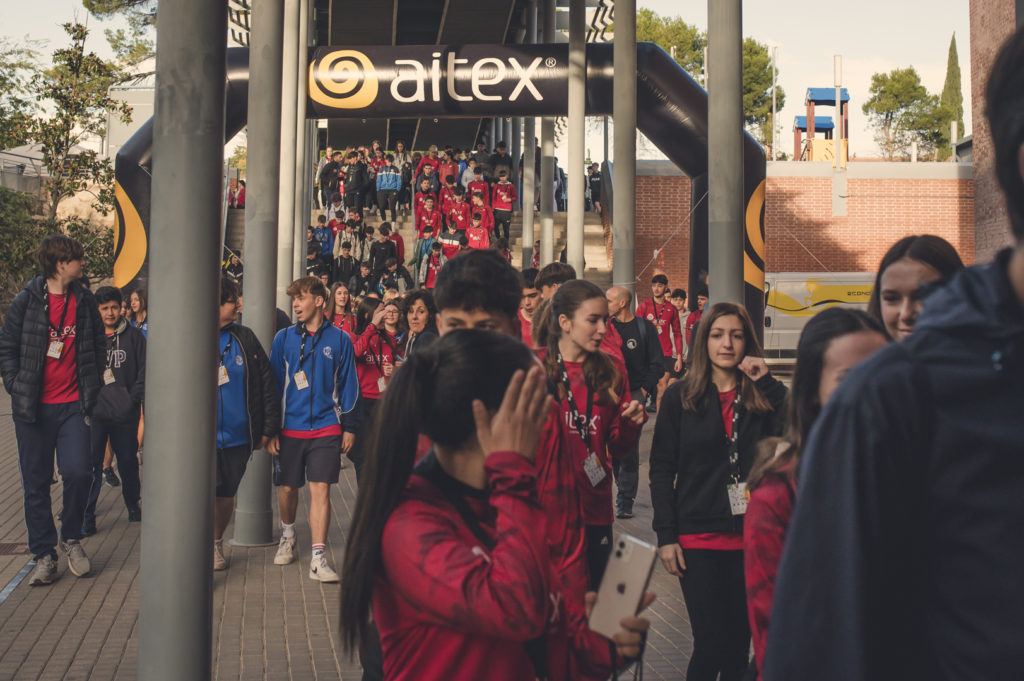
x=503, y=199
x=446, y=196
x=660, y=312
x=449, y=167
x=477, y=235
x=480, y=185
x=428, y=216
x=422, y=193
x=486, y=214
x=459, y=212
x=449, y=241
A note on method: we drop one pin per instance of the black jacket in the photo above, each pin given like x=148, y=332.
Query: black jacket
x=261, y=392
x=905, y=555
x=345, y=269
x=645, y=363
x=329, y=176
x=25, y=336
x=126, y=357
x=399, y=280
x=355, y=178
x=380, y=251
x=690, y=460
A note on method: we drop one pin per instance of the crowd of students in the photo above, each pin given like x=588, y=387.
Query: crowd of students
x=863, y=524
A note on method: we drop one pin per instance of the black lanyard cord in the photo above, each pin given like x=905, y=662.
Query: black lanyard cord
x=582, y=426
x=58, y=330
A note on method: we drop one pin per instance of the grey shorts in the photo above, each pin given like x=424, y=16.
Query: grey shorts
x=317, y=460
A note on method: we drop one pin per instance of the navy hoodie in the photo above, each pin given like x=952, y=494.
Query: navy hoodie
x=905, y=557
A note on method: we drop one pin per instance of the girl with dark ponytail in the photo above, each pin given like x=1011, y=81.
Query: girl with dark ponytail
x=452, y=555
x=599, y=418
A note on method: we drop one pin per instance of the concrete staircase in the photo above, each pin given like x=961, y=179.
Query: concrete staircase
x=598, y=265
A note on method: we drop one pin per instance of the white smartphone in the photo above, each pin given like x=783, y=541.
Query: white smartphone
x=624, y=583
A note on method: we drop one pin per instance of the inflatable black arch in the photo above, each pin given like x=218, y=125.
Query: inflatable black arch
x=478, y=81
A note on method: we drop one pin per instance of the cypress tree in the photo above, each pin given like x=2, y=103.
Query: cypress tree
x=952, y=96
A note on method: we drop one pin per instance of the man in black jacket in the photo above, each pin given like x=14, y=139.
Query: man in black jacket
x=644, y=366
x=116, y=416
x=51, y=360
x=381, y=251
x=248, y=410
x=903, y=558
x=355, y=181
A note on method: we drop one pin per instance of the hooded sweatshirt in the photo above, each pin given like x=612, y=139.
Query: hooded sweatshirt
x=903, y=559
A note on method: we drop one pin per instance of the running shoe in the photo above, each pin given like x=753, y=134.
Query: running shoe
x=78, y=562
x=285, y=551
x=45, y=571
x=320, y=571
x=110, y=478
x=219, y=561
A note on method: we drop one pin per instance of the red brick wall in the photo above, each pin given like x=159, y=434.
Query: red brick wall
x=801, y=235
x=992, y=21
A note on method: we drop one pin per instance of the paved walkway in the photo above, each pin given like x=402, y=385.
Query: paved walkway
x=270, y=622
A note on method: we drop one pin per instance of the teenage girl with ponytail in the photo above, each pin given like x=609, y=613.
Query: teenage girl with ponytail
x=451, y=554
x=600, y=420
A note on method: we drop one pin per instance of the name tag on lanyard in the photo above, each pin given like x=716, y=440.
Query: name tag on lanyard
x=55, y=349
x=222, y=375
x=594, y=470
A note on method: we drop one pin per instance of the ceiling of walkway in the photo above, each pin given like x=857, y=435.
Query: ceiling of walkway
x=414, y=22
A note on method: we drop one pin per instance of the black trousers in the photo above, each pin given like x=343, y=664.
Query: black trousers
x=502, y=221
x=716, y=600
x=388, y=198
x=599, y=547
x=357, y=455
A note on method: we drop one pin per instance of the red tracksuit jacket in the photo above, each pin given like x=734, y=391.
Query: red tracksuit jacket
x=666, y=318
x=478, y=238
x=421, y=198
x=433, y=218
x=459, y=213
x=503, y=196
x=369, y=349
x=482, y=187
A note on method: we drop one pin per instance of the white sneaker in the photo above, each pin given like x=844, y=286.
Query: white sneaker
x=321, y=571
x=285, y=551
x=219, y=561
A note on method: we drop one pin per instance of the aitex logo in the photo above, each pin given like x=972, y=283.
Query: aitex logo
x=343, y=79
x=413, y=77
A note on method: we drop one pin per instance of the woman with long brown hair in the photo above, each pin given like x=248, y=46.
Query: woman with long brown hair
x=831, y=343
x=340, y=310
x=602, y=420
x=703, y=449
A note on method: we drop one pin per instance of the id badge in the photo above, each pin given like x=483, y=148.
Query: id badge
x=381, y=384
x=222, y=375
x=594, y=470
x=55, y=349
x=108, y=376
x=300, y=380
x=737, y=498
x=660, y=330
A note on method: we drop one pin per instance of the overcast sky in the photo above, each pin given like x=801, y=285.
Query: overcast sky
x=872, y=36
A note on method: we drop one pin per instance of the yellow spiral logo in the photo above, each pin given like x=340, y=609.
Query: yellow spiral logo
x=343, y=79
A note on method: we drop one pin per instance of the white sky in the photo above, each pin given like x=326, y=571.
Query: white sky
x=872, y=36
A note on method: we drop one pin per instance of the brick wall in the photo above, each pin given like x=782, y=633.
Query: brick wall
x=992, y=21
x=801, y=235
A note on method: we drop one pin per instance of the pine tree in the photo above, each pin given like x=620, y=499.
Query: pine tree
x=952, y=97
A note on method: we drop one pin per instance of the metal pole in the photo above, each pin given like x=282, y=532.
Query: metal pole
x=254, y=516
x=529, y=193
x=547, y=160
x=725, y=150
x=286, y=193
x=516, y=150
x=302, y=154
x=624, y=170
x=577, y=130
x=837, y=127
x=605, y=124
x=775, y=76
x=176, y=593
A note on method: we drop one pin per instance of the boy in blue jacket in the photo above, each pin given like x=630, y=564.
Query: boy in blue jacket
x=389, y=183
x=316, y=374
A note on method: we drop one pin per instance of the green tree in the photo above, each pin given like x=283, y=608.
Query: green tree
x=672, y=32
x=757, y=90
x=75, y=93
x=901, y=111
x=18, y=240
x=952, y=99
x=687, y=43
x=237, y=159
x=18, y=64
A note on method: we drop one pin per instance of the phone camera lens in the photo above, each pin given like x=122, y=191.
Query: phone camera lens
x=622, y=544
x=618, y=554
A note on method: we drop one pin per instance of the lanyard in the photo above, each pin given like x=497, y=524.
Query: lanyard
x=114, y=340
x=59, y=330
x=303, y=355
x=734, y=446
x=582, y=426
x=657, y=312
x=227, y=346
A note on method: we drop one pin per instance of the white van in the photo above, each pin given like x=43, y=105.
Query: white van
x=791, y=298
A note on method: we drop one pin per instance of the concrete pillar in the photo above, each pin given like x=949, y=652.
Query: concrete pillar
x=286, y=194
x=725, y=150
x=516, y=150
x=529, y=194
x=624, y=168
x=176, y=592
x=547, y=161
x=575, y=196
x=253, y=513
x=302, y=150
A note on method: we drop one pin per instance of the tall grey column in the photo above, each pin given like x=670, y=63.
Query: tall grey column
x=529, y=192
x=547, y=160
x=725, y=150
x=624, y=168
x=302, y=153
x=176, y=594
x=493, y=135
x=286, y=194
x=577, y=129
x=506, y=124
x=254, y=515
